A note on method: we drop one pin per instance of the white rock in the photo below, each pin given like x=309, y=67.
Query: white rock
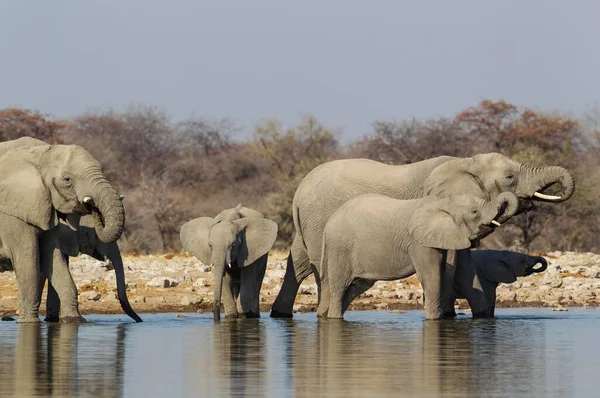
x=201, y=282
x=191, y=300
x=553, y=280
x=163, y=281
x=90, y=296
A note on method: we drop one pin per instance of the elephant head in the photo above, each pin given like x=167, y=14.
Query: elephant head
x=457, y=222
x=487, y=175
x=40, y=184
x=510, y=265
x=240, y=211
x=226, y=244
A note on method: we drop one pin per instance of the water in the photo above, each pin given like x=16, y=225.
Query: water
x=524, y=352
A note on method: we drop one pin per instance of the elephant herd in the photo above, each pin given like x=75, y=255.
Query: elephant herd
x=356, y=222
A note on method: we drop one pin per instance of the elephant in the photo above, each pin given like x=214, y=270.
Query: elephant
x=233, y=238
x=501, y=266
x=74, y=235
x=328, y=186
x=374, y=237
x=41, y=188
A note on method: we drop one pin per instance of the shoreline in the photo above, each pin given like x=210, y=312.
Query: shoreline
x=179, y=283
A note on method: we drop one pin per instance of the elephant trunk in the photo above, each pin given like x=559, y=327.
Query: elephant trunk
x=537, y=260
x=218, y=265
x=507, y=205
x=544, y=177
x=117, y=262
x=110, y=220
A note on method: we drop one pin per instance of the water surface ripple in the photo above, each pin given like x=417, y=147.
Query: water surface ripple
x=523, y=352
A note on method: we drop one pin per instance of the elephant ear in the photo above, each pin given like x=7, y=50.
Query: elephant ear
x=194, y=238
x=498, y=273
x=258, y=237
x=23, y=194
x=68, y=235
x=431, y=226
x=247, y=212
x=455, y=177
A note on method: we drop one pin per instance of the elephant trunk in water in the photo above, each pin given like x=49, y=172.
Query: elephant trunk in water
x=218, y=263
x=117, y=263
x=110, y=219
x=544, y=177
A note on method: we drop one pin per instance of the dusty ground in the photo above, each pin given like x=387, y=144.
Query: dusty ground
x=572, y=279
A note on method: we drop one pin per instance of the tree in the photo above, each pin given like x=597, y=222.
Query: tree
x=16, y=123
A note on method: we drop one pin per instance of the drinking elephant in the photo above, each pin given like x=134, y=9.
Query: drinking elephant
x=373, y=237
x=501, y=266
x=40, y=186
x=331, y=184
x=237, y=248
x=74, y=235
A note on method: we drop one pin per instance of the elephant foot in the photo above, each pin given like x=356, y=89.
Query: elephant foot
x=231, y=316
x=251, y=314
x=28, y=319
x=52, y=318
x=7, y=318
x=482, y=314
x=277, y=314
x=73, y=319
x=449, y=314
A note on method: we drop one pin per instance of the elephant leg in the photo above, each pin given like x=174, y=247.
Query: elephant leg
x=449, y=278
x=59, y=276
x=337, y=291
x=52, y=305
x=228, y=300
x=430, y=266
x=251, y=281
x=298, y=268
x=24, y=254
x=467, y=281
x=358, y=287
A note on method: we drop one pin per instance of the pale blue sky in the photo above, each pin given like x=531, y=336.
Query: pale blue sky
x=347, y=62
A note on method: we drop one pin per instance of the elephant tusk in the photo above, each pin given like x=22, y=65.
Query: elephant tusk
x=87, y=199
x=496, y=223
x=546, y=197
x=121, y=197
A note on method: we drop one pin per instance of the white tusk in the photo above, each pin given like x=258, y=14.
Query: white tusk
x=121, y=197
x=547, y=197
x=496, y=223
x=87, y=199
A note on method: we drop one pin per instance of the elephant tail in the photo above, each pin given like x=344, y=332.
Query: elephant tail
x=297, y=226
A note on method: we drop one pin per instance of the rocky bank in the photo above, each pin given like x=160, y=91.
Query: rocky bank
x=166, y=283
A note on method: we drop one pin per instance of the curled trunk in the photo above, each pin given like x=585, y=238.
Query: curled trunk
x=110, y=220
x=507, y=205
x=543, y=177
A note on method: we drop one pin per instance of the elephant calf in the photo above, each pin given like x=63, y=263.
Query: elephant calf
x=236, y=244
x=373, y=237
x=501, y=266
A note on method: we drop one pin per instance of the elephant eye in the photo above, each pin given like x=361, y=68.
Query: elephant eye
x=510, y=177
x=67, y=179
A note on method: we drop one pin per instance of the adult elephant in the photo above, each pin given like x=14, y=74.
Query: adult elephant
x=40, y=186
x=331, y=184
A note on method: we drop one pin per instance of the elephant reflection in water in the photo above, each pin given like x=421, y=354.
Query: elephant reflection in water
x=49, y=366
x=231, y=361
x=356, y=359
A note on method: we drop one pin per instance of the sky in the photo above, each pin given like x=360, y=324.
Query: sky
x=347, y=62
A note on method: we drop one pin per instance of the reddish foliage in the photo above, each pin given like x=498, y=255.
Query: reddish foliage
x=16, y=123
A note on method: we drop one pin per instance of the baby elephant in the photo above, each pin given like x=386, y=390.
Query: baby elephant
x=501, y=266
x=236, y=244
x=374, y=237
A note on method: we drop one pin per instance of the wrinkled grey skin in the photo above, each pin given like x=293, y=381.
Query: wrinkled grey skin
x=374, y=237
x=501, y=266
x=236, y=244
x=72, y=243
x=40, y=186
x=330, y=185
